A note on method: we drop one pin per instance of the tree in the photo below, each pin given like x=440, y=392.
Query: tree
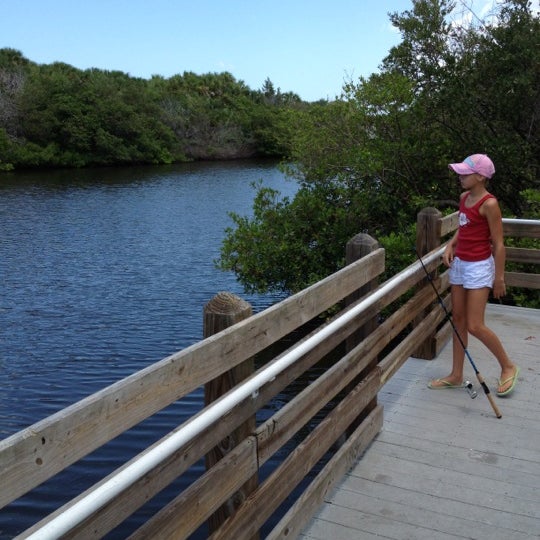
x=57, y=115
x=77, y=118
x=489, y=96
x=369, y=161
x=13, y=73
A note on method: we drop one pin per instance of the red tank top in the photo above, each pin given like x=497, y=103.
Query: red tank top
x=474, y=238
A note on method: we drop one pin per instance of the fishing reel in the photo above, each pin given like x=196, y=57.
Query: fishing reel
x=470, y=388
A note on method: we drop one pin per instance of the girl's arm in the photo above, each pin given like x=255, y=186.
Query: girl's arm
x=490, y=209
x=448, y=255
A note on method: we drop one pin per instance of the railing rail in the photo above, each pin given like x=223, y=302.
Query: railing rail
x=72, y=433
x=361, y=368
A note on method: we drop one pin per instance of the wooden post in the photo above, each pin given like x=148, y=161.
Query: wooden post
x=428, y=237
x=224, y=310
x=357, y=247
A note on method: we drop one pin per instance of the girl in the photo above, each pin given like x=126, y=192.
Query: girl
x=476, y=257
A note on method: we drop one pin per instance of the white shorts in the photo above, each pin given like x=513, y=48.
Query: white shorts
x=472, y=275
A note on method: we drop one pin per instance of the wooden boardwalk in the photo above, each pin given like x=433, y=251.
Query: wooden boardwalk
x=443, y=466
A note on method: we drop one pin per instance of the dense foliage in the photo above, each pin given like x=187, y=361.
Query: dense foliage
x=59, y=116
x=371, y=160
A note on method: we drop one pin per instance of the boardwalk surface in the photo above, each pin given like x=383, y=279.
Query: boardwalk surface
x=443, y=466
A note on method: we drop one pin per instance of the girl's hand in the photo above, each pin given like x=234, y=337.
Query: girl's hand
x=448, y=255
x=499, y=288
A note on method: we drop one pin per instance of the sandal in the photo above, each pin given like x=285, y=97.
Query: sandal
x=439, y=384
x=512, y=379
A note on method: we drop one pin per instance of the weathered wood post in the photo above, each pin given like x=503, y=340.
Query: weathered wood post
x=224, y=310
x=428, y=237
x=357, y=247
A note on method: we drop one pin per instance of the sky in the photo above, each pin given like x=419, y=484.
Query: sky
x=309, y=47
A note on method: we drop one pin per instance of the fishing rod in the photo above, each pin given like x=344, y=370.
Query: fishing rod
x=449, y=319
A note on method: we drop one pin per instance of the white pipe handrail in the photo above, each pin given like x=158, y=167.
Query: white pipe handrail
x=515, y=221
x=106, y=492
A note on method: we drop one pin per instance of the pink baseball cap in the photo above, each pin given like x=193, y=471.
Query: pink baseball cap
x=477, y=163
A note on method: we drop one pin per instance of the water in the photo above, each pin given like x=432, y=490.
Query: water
x=104, y=272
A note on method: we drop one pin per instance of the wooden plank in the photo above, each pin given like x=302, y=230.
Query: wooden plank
x=478, y=464
x=520, y=279
x=500, y=485
x=35, y=454
x=183, y=516
x=358, y=518
x=395, y=359
x=399, y=472
x=449, y=224
x=402, y=515
x=281, y=426
x=339, y=533
x=442, y=337
x=262, y=503
x=518, y=229
x=523, y=255
x=309, y=502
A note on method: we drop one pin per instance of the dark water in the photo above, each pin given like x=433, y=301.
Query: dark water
x=104, y=272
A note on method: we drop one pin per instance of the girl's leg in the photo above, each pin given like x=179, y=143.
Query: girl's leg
x=459, y=317
x=476, y=305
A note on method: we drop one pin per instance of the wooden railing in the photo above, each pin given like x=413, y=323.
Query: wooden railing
x=339, y=405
